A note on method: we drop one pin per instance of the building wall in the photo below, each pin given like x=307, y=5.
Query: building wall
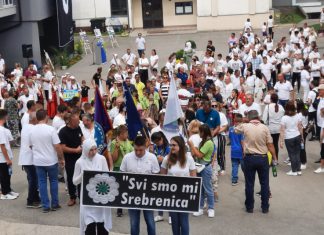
x=26, y=33
x=280, y=3
x=171, y=19
x=36, y=10
x=137, y=14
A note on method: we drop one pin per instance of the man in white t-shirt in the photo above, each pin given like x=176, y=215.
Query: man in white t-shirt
x=249, y=105
x=23, y=99
x=26, y=161
x=284, y=90
x=58, y=121
x=6, y=157
x=266, y=69
x=140, y=44
x=31, y=107
x=47, y=152
x=128, y=58
x=235, y=63
x=184, y=96
x=140, y=161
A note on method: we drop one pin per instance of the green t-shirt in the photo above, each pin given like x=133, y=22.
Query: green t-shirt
x=124, y=148
x=207, y=149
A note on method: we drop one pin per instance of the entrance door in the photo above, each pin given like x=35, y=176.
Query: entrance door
x=152, y=13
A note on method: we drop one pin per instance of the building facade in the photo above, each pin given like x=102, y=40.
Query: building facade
x=203, y=14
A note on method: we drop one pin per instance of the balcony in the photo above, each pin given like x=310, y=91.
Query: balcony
x=7, y=8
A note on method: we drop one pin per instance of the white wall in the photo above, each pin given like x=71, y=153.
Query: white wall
x=262, y=6
x=84, y=10
x=233, y=7
x=204, y=7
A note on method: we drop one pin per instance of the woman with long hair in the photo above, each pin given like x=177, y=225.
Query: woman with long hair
x=204, y=155
x=302, y=112
x=233, y=103
x=178, y=163
x=259, y=86
x=292, y=133
x=272, y=115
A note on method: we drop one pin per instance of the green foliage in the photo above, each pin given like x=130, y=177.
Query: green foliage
x=179, y=54
x=78, y=47
x=293, y=17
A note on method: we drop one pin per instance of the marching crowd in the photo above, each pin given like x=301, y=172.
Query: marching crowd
x=260, y=96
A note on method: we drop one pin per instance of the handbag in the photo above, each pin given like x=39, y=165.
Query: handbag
x=199, y=167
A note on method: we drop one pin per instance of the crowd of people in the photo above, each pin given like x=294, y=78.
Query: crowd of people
x=260, y=96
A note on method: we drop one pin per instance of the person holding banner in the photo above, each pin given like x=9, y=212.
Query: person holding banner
x=143, y=162
x=204, y=155
x=92, y=219
x=177, y=163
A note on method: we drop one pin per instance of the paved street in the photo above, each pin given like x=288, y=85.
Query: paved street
x=296, y=207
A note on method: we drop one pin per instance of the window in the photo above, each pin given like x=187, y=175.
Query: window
x=118, y=7
x=183, y=8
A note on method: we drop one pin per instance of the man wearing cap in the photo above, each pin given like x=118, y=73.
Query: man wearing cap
x=257, y=143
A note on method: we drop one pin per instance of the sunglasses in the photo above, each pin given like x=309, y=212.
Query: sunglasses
x=214, y=106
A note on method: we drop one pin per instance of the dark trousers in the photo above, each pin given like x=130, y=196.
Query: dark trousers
x=96, y=229
x=46, y=94
x=316, y=130
x=69, y=168
x=303, y=156
x=274, y=77
x=283, y=103
x=296, y=77
x=140, y=53
x=144, y=75
x=275, y=138
x=5, y=179
x=259, y=164
x=33, y=194
x=293, y=149
x=180, y=223
x=221, y=139
x=270, y=32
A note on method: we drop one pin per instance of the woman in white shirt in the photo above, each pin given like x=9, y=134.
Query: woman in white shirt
x=305, y=80
x=286, y=69
x=302, y=113
x=143, y=65
x=221, y=138
x=92, y=219
x=270, y=26
x=154, y=60
x=272, y=115
x=18, y=72
x=178, y=163
x=315, y=69
x=291, y=132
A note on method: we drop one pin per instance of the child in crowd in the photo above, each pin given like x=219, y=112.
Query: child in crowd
x=236, y=148
x=5, y=159
x=84, y=92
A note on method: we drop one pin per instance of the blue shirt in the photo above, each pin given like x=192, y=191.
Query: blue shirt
x=236, y=147
x=212, y=118
x=183, y=77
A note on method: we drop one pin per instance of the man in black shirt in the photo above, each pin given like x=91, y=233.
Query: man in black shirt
x=71, y=140
x=96, y=78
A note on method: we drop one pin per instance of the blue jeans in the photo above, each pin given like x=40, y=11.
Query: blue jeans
x=33, y=195
x=135, y=218
x=180, y=223
x=236, y=162
x=259, y=164
x=207, y=187
x=42, y=173
x=283, y=102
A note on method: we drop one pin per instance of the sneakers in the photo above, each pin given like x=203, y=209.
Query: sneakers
x=303, y=166
x=299, y=173
x=55, y=208
x=211, y=213
x=46, y=210
x=12, y=193
x=289, y=164
x=34, y=205
x=234, y=183
x=290, y=173
x=8, y=196
x=287, y=161
x=199, y=213
x=158, y=218
x=319, y=170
